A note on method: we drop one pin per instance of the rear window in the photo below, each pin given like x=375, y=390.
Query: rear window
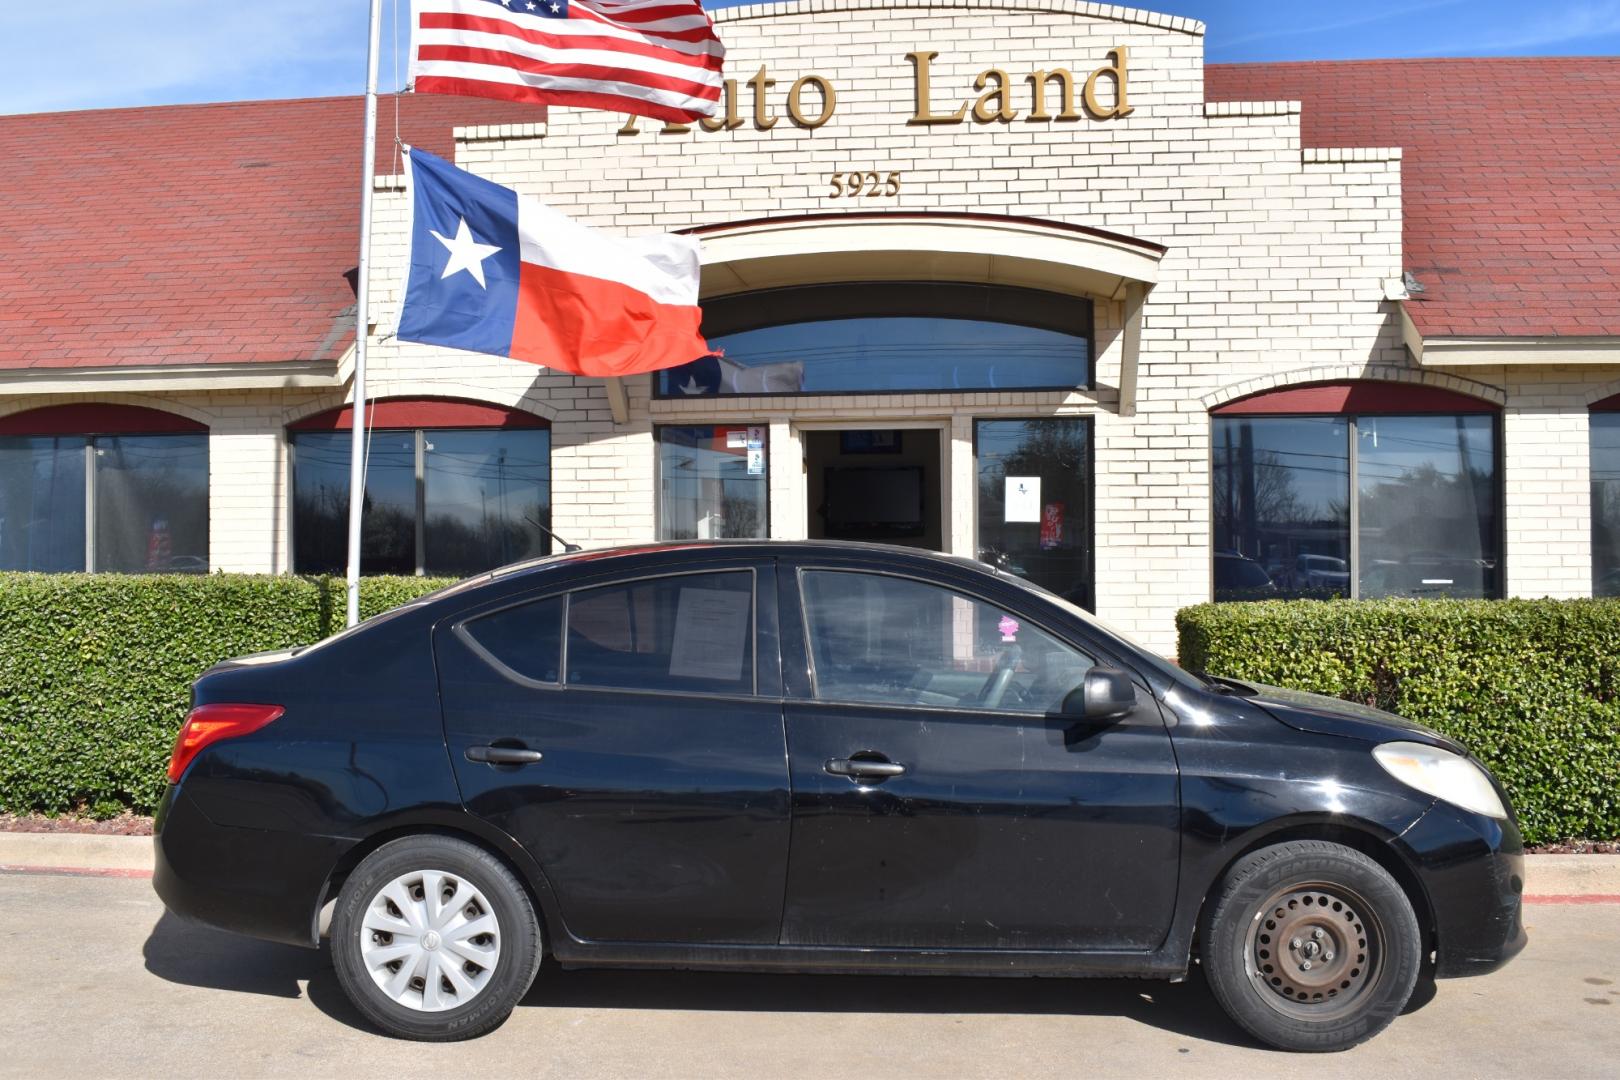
x=526, y=639
x=689, y=632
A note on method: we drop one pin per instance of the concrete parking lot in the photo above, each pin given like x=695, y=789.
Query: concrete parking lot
x=99, y=980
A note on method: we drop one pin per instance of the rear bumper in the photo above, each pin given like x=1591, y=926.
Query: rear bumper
x=1472, y=869
x=256, y=882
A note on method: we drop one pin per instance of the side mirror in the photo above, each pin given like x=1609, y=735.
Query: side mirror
x=1106, y=694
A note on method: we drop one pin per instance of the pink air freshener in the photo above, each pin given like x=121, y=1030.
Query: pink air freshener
x=1008, y=627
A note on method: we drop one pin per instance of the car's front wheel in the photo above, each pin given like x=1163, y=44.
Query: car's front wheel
x=434, y=939
x=1310, y=945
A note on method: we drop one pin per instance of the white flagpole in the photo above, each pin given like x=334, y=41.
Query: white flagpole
x=362, y=323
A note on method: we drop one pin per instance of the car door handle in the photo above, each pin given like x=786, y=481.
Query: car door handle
x=502, y=755
x=866, y=768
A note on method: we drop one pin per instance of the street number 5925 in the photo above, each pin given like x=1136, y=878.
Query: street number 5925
x=853, y=185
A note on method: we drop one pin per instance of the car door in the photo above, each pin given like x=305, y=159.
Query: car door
x=629, y=734
x=938, y=798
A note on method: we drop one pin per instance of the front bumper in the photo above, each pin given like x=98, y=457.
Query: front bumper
x=1472, y=871
x=257, y=882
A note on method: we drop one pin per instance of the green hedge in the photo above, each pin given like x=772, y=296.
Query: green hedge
x=1530, y=686
x=96, y=671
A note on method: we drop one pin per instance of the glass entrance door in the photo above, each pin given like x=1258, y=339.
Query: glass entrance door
x=879, y=485
x=1035, y=502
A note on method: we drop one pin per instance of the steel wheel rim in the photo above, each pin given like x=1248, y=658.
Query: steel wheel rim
x=1314, y=951
x=430, y=940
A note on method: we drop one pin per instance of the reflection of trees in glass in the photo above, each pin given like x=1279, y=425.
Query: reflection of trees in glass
x=1055, y=450
x=741, y=515
x=1044, y=448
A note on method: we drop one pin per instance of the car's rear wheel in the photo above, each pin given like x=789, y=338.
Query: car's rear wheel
x=434, y=939
x=1310, y=945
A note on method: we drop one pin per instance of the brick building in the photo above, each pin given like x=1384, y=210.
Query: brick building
x=1023, y=280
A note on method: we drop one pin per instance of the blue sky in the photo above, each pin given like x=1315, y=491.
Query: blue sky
x=114, y=53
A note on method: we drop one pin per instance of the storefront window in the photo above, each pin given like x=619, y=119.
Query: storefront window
x=1606, y=504
x=1282, y=507
x=146, y=494
x=1424, y=520
x=1426, y=490
x=712, y=482
x=438, y=501
x=883, y=337
x=1035, y=502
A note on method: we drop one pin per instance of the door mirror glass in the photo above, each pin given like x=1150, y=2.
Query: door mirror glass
x=1106, y=694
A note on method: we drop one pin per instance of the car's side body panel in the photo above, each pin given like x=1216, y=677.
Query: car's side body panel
x=260, y=827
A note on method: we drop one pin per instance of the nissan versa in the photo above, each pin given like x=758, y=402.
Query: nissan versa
x=820, y=757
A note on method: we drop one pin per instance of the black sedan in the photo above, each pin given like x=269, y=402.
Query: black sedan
x=826, y=758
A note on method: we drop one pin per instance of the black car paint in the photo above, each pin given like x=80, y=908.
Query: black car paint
x=633, y=865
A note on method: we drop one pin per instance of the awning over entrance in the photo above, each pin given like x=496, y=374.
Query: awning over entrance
x=975, y=248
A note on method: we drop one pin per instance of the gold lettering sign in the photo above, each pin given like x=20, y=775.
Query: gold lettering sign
x=996, y=100
x=829, y=101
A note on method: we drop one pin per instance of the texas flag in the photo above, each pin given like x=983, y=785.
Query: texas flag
x=493, y=271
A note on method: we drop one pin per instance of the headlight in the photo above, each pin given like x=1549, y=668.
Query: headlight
x=1442, y=774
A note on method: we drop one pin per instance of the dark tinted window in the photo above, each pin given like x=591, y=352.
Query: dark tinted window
x=888, y=337
x=1606, y=504
x=1282, y=507
x=527, y=638
x=1044, y=533
x=692, y=632
x=1424, y=490
x=479, y=503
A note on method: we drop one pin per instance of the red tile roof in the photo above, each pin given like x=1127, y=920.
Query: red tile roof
x=215, y=234
x=1510, y=179
x=194, y=234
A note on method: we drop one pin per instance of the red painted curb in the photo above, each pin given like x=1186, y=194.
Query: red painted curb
x=1574, y=898
x=76, y=871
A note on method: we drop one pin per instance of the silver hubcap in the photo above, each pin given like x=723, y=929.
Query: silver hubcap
x=430, y=940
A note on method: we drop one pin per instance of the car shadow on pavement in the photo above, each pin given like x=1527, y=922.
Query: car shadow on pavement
x=192, y=955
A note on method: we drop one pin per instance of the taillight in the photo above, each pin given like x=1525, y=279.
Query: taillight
x=208, y=724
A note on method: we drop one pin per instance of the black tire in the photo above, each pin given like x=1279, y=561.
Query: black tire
x=1299, y=973
x=493, y=887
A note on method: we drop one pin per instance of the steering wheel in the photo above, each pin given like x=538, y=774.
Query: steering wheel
x=995, y=687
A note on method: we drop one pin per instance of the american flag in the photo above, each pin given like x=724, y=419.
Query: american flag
x=653, y=58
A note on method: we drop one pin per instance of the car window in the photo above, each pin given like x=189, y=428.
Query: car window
x=897, y=641
x=690, y=632
x=527, y=639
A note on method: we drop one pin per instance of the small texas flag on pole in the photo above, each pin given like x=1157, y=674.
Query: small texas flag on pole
x=493, y=271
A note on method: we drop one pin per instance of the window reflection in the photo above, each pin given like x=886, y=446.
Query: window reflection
x=149, y=492
x=1427, y=512
x=1048, y=540
x=152, y=503
x=42, y=503
x=485, y=495
x=712, y=482
x=1606, y=504
x=1427, y=492
x=1282, y=507
x=888, y=337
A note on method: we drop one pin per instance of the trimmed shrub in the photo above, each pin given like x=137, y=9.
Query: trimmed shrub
x=96, y=671
x=1532, y=687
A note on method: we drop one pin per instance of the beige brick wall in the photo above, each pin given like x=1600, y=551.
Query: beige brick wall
x=1274, y=275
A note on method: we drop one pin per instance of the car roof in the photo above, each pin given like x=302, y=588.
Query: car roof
x=762, y=548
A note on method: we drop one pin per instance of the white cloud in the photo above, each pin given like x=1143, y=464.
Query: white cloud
x=100, y=53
